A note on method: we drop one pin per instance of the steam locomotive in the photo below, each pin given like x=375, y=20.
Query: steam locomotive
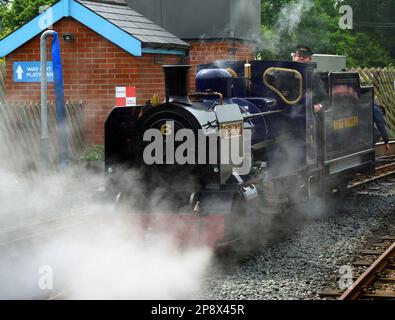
x=247, y=142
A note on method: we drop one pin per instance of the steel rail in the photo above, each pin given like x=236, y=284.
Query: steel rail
x=30, y=231
x=358, y=287
x=381, y=172
x=35, y=224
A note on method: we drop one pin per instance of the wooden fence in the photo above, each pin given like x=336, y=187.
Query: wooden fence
x=383, y=81
x=20, y=135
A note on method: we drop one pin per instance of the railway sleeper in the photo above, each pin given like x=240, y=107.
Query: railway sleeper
x=378, y=294
x=367, y=263
x=372, y=252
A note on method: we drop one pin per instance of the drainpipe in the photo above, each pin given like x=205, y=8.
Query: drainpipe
x=44, y=139
x=59, y=97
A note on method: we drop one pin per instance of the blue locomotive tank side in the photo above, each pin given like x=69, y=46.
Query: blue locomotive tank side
x=220, y=81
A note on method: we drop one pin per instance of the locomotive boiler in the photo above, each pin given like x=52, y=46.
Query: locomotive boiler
x=245, y=143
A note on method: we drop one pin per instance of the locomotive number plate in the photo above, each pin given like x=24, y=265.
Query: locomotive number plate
x=231, y=130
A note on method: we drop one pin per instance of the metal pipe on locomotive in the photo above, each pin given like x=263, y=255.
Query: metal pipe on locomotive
x=265, y=108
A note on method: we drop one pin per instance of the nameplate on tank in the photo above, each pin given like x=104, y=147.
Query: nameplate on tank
x=349, y=122
x=231, y=130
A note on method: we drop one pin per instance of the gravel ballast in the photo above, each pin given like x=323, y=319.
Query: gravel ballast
x=309, y=258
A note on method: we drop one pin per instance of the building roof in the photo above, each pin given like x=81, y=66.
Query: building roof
x=149, y=33
x=116, y=22
x=120, y=2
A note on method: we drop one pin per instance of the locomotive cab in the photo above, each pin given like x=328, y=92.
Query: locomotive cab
x=347, y=128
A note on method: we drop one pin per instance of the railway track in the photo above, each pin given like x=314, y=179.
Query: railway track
x=375, y=276
x=385, y=167
x=27, y=232
x=377, y=282
x=381, y=172
x=17, y=241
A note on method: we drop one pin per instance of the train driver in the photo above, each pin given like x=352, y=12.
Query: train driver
x=304, y=54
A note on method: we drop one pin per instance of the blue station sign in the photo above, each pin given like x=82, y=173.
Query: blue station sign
x=30, y=71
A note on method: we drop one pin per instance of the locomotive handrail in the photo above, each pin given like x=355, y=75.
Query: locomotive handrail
x=233, y=73
x=280, y=94
x=262, y=114
x=198, y=94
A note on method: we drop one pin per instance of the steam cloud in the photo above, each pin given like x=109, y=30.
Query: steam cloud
x=287, y=22
x=92, y=251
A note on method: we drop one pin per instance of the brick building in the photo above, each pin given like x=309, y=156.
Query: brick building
x=112, y=45
x=215, y=30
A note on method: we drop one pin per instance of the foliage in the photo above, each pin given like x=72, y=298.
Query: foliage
x=362, y=51
x=15, y=13
x=94, y=152
x=286, y=23
x=376, y=19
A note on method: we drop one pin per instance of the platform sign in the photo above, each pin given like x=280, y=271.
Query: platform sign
x=30, y=71
x=125, y=96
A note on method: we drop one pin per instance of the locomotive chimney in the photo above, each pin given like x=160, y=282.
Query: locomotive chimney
x=177, y=83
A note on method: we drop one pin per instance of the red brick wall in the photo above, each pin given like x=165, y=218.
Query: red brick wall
x=93, y=67
x=209, y=51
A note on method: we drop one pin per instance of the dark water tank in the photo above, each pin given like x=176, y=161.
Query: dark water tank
x=214, y=80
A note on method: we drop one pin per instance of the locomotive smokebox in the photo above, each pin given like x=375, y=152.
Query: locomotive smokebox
x=177, y=83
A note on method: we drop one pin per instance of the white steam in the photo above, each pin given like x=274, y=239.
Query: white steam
x=287, y=22
x=115, y=264
x=81, y=246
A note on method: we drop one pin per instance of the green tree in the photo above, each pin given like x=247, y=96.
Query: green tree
x=316, y=23
x=15, y=13
x=289, y=22
x=270, y=11
x=377, y=19
x=361, y=50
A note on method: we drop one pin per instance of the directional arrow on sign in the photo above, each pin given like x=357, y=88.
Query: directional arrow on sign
x=19, y=72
